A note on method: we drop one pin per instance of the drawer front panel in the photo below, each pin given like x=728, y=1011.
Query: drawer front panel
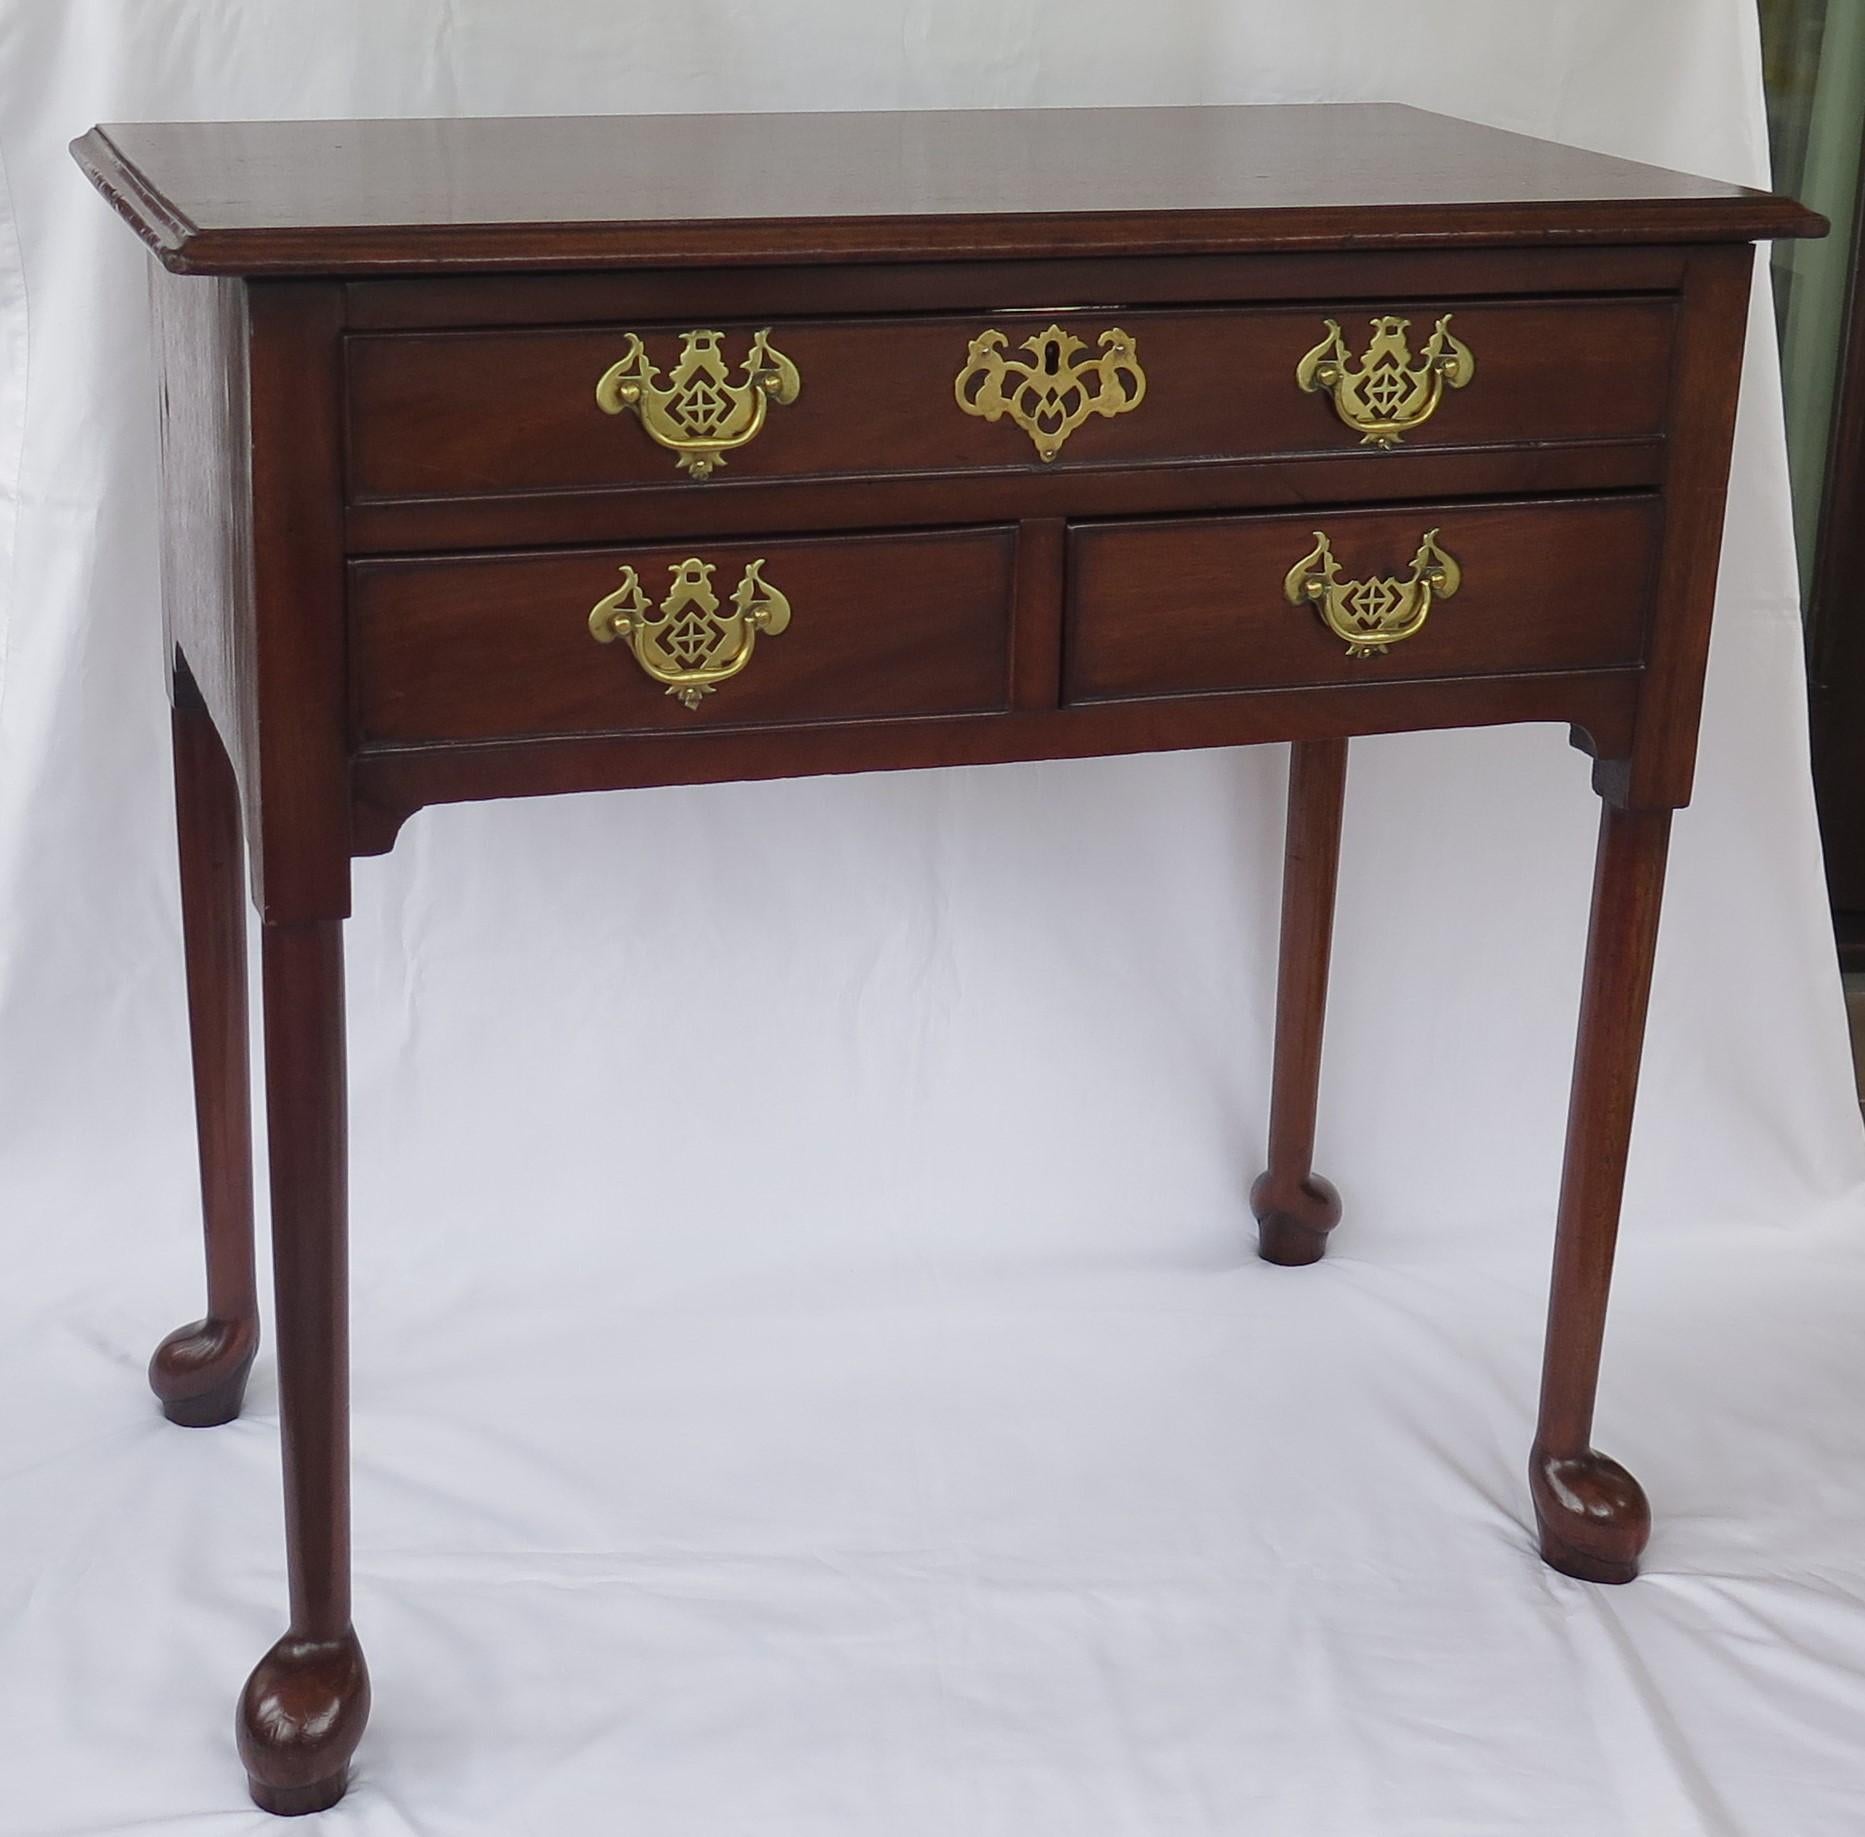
x=681, y=639
x=1180, y=606
x=470, y=413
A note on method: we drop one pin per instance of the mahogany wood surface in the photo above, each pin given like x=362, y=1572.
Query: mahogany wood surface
x=1295, y=1208
x=744, y=507
x=1547, y=586
x=304, y=1707
x=390, y=501
x=301, y=860
x=392, y=782
x=1593, y=1515
x=206, y=524
x=442, y=414
x=199, y=1371
x=499, y=646
x=785, y=289
x=613, y=191
x=1706, y=379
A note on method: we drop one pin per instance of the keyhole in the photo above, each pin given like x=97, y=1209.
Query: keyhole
x=1052, y=360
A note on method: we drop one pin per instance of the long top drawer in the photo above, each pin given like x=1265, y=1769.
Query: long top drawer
x=472, y=413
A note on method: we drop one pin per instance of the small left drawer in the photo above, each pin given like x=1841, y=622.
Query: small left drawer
x=672, y=639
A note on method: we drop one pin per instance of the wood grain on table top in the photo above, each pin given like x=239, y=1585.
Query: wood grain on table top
x=347, y=197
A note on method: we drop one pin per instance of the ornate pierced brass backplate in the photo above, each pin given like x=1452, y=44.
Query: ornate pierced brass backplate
x=1056, y=390
x=699, y=414
x=1385, y=395
x=1373, y=615
x=690, y=642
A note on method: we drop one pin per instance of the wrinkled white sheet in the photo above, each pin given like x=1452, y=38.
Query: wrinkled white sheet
x=811, y=1376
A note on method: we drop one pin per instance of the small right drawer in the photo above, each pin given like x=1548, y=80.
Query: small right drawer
x=1195, y=606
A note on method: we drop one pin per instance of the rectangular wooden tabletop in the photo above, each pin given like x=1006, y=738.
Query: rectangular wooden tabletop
x=338, y=197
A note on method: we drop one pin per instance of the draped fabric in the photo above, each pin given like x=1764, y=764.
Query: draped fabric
x=811, y=1373
x=1816, y=80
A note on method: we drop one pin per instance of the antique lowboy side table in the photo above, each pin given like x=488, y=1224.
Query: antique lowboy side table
x=510, y=457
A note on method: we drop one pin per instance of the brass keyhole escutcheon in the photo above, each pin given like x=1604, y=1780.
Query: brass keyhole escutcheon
x=1052, y=393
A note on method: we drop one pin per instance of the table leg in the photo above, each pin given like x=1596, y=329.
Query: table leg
x=1593, y=1516
x=199, y=1371
x=305, y=1705
x=1295, y=1208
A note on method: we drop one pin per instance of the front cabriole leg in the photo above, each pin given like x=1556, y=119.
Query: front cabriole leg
x=1593, y=1516
x=305, y=1705
x=1295, y=1208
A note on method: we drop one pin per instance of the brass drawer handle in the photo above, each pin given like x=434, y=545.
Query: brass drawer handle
x=690, y=643
x=1056, y=391
x=1373, y=615
x=698, y=413
x=1386, y=396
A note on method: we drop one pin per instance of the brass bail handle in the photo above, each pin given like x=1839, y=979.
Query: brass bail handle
x=691, y=643
x=699, y=414
x=1385, y=395
x=1375, y=614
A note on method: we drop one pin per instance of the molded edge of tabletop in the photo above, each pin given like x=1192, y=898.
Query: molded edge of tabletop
x=1733, y=214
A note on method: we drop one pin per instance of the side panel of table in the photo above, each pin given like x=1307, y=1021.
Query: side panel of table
x=252, y=564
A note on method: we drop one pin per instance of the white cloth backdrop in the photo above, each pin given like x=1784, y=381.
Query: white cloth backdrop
x=811, y=1373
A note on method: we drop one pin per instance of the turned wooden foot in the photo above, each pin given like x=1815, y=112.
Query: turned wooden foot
x=301, y=1715
x=199, y=1372
x=1293, y=1222
x=1295, y=1208
x=1593, y=1515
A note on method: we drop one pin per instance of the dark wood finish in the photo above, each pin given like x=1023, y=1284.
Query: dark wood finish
x=1836, y=617
x=499, y=646
x=206, y=489
x=783, y=290
x=390, y=503
x=322, y=197
x=305, y=1704
x=1036, y=659
x=302, y=858
x=1170, y=608
x=1593, y=1515
x=1706, y=378
x=199, y=1371
x=804, y=507
x=252, y=578
x=439, y=414
x=1295, y=1208
x=394, y=782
